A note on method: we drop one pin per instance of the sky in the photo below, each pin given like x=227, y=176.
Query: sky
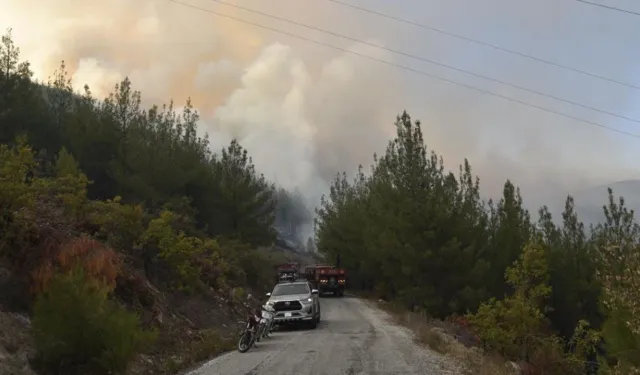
x=305, y=111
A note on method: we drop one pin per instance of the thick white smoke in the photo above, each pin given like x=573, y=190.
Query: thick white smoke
x=306, y=112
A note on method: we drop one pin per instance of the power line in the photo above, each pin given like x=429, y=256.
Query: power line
x=423, y=59
x=606, y=7
x=486, y=44
x=409, y=69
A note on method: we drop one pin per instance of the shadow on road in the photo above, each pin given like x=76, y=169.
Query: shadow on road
x=331, y=296
x=293, y=327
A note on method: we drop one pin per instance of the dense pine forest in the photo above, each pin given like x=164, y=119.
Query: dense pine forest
x=563, y=298
x=103, y=203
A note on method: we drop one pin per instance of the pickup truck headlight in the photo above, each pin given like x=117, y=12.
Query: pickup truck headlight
x=307, y=300
x=269, y=303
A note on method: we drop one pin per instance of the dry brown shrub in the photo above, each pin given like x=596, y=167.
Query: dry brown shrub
x=100, y=263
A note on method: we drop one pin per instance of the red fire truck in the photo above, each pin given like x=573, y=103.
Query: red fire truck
x=327, y=279
x=287, y=272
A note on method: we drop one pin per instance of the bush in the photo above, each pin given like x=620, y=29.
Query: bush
x=623, y=346
x=38, y=213
x=17, y=195
x=79, y=330
x=247, y=266
x=508, y=325
x=119, y=225
x=99, y=263
x=192, y=261
x=238, y=294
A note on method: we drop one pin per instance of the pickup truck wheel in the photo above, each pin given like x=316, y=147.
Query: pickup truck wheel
x=318, y=317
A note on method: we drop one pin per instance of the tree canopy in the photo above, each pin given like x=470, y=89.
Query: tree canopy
x=413, y=232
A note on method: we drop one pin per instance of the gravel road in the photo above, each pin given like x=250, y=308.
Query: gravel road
x=353, y=338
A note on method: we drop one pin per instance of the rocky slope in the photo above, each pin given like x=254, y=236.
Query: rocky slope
x=192, y=328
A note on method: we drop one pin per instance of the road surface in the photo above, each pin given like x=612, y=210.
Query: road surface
x=352, y=339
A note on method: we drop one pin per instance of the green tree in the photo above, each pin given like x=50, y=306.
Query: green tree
x=576, y=293
x=618, y=245
x=340, y=224
x=66, y=165
x=22, y=110
x=246, y=204
x=511, y=325
x=409, y=231
x=510, y=231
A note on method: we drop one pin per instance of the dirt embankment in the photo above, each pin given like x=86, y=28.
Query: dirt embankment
x=192, y=328
x=452, y=339
x=16, y=344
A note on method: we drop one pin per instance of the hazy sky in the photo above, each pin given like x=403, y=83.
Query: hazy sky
x=306, y=112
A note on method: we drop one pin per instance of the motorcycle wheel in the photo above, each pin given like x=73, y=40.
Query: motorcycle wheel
x=254, y=335
x=260, y=333
x=245, y=342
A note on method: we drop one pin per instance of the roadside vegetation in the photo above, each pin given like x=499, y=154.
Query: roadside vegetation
x=554, y=299
x=127, y=240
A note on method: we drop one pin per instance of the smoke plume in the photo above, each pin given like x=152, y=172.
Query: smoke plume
x=305, y=112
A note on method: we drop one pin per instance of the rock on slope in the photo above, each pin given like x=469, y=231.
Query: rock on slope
x=16, y=346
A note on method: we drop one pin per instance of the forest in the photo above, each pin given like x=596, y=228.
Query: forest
x=99, y=199
x=108, y=209
x=563, y=298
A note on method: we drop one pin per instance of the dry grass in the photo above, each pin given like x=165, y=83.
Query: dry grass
x=206, y=344
x=433, y=340
x=447, y=340
x=478, y=363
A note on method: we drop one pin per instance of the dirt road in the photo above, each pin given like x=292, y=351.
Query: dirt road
x=352, y=339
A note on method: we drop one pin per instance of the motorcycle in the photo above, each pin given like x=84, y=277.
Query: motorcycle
x=268, y=314
x=250, y=332
x=265, y=324
x=258, y=325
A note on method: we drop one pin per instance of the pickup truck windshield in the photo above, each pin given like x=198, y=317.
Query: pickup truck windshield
x=289, y=289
